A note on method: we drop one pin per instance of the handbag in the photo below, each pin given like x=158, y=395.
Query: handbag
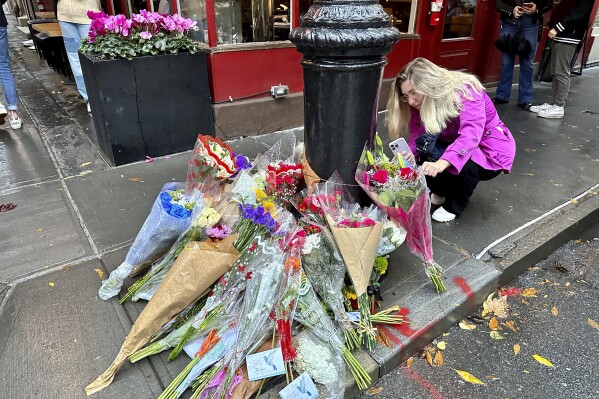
x=429, y=149
x=513, y=44
x=544, y=71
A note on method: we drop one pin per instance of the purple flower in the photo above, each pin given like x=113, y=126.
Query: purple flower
x=145, y=35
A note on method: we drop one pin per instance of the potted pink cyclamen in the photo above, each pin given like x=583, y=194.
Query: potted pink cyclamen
x=147, y=83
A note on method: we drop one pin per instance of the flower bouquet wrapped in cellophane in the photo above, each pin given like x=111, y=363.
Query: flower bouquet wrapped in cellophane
x=169, y=217
x=313, y=316
x=400, y=190
x=212, y=162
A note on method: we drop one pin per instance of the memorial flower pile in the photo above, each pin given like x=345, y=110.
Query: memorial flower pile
x=242, y=273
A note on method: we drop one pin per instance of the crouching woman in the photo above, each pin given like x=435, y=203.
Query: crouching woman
x=453, y=131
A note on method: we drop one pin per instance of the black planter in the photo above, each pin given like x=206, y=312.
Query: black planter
x=152, y=105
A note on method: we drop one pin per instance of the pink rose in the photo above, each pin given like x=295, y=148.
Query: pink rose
x=381, y=176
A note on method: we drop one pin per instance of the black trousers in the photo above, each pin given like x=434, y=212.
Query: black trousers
x=457, y=189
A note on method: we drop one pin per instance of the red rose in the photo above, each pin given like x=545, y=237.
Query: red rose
x=381, y=176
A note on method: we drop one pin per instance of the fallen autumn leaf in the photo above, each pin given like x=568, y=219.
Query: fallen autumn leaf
x=373, y=391
x=529, y=292
x=466, y=376
x=465, y=326
x=438, y=359
x=493, y=323
x=593, y=324
x=554, y=311
x=516, y=349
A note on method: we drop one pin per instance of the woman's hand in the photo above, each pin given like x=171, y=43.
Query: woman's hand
x=408, y=156
x=518, y=11
x=530, y=10
x=432, y=169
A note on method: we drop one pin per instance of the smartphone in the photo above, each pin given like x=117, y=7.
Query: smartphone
x=528, y=5
x=399, y=145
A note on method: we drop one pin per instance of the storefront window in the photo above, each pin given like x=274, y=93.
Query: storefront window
x=459, y=18
x=402, y=12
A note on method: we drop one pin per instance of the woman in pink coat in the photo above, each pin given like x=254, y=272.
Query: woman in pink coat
x=453, y=131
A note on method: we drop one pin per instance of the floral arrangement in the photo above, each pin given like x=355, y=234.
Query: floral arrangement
x=176, y=204
x=401, y=192
x=212, y=161
x=146, y=33
x=282, y=180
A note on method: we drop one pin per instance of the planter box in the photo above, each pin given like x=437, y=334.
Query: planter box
x=152, y=105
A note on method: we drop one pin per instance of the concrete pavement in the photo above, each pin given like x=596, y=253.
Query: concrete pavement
x=76, y=217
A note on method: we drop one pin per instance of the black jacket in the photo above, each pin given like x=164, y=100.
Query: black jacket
x=570, y=18
x=3, y=21
x=505, y=8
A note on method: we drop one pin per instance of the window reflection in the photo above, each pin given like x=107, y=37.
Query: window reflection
x=459, y=18
x=400, y=13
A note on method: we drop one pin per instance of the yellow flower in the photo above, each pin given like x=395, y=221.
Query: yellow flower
x=351, y=295
x=269, y=206
x=260, y=195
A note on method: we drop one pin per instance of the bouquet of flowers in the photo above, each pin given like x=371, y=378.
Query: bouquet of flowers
x=282, y=180
x=211, y=163
x=357, y=233
x=401, y=192
x=202, y=219
x=146, y=33
x=169, y=217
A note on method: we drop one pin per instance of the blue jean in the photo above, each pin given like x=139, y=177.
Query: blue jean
x=6, y=78
x=529, y=31
x=72, y=34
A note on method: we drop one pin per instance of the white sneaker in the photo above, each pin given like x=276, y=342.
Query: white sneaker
x=538, y=108
x=437, y=199
x=28, y=43
x=441, y=215
x=89, y=109
x=555, y=112
x=15, y=122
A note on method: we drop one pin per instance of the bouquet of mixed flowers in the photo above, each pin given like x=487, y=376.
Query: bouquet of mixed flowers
x=146, y=33
x=400, y=190
x=282, y=180
x=211, y=163
x=169, y=217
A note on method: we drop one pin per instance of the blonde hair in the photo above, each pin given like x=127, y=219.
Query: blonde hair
x=442, y=90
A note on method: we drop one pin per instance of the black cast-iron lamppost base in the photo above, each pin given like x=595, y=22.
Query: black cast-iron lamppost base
x=344, y=46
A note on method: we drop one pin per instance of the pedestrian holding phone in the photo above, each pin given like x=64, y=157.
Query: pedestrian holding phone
x=521, y=23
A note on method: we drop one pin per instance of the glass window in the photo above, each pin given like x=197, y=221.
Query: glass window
x=402, y=12
x=459, y=18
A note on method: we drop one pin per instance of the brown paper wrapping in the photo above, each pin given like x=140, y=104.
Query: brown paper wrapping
x=198, y=266
x=358, y=248
x=310, y=177
x=246, y=388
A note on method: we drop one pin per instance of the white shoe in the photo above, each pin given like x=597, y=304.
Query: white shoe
x=555, y=112
x=89, y=109
x=28, y=43
x=15, y=122
x=441, y=215
x=437, y=199
x=538, y=108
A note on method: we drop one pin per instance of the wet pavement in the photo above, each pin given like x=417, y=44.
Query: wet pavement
x=76, y=216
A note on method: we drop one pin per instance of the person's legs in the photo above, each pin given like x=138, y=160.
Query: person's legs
x=561, y=73
x=530, y=33
x=504, y=87
x=8, y=82
x=72, y=37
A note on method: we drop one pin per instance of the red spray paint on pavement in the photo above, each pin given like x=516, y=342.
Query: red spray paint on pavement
x=461, y=282
x=423, y=382
x=404, y=329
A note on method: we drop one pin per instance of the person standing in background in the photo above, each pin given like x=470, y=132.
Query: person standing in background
x=74, y=24
x=523, y=20
x=568, y=25
x=6, y=78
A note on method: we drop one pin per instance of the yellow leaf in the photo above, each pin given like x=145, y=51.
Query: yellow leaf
x=135, y=179
x=493, y=323
x=529, y=292
x=593, y=324
x=465, y=326
x=516, y=349
x=543, y=361
x=84, y=164
x=495, y=335
x=438, y=359
x=511, y=325
x=429, y=358
x=100, y=273
x=554, y=311
x=409, y=362
x=466, y=376
x=574, y=201
x=526, y=371
x=39, y=230
x=51, y=284
x=441, y=345
x=373, y=391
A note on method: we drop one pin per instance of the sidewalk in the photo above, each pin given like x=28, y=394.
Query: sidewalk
x=77, y=216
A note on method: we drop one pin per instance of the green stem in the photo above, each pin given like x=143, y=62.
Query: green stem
x=179, y=379
x=150, y=350
x=177, y=350
x=358, y=372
